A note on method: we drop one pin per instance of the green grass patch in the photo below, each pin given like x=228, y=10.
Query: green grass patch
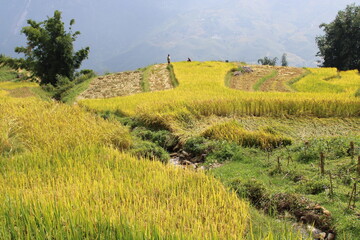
x=173, y=78
x=41, y=93
x=145, y=85
x=70, y=96
x=7, y=74
x=278, y=172
x=230, y=74
x=262, y=80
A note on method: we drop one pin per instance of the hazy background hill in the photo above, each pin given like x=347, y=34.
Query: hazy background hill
x=125, y=35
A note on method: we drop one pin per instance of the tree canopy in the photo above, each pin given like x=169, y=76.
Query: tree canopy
x=340, y=46
x=284, y=61
x=267, y=61
x=49, y=53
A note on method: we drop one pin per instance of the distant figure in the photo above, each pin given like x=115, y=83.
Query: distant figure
x=168, y=58
x=189, y=60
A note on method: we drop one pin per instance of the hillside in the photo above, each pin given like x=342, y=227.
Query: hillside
x=283, y=140
x=274, y=133
x=69, y=174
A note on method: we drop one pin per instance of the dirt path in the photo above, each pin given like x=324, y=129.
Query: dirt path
x=127, y=83
x=246, y=81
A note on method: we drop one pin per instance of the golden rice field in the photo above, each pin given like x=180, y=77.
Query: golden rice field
x=325, y=80
x=62, y=176
x=202, y=92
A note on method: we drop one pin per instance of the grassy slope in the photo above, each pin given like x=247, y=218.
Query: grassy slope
x=257, y=166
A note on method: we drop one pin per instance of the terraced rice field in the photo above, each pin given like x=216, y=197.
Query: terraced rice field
x=65, y=174
x=202, y=92
x=128, y=83
x=276, y=78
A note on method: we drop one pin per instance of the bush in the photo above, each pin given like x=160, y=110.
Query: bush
x=63, y=85
x=150, y=150
x=252, y=190
x=84, y=75
x=313, y=187
x=197, y=146
x=224, y=151
x=307, y=156
x=163, y=138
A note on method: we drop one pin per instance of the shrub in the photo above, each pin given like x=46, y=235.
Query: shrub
x=224, y=151
x=84, y=75
x=150, y=150
x=197, y=146
x=252, y=190
x=163, y=138
x=313, y=187
x=308, y=156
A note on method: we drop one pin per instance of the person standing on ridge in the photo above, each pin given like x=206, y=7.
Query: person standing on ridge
x=168, y=58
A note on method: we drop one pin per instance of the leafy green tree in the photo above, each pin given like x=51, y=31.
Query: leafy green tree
x=267, y=61
x=340, y=46
x=284, y=61
x=49, y=53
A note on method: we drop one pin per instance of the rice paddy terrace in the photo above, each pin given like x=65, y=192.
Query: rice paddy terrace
x=315, y=109
x=102, y=190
